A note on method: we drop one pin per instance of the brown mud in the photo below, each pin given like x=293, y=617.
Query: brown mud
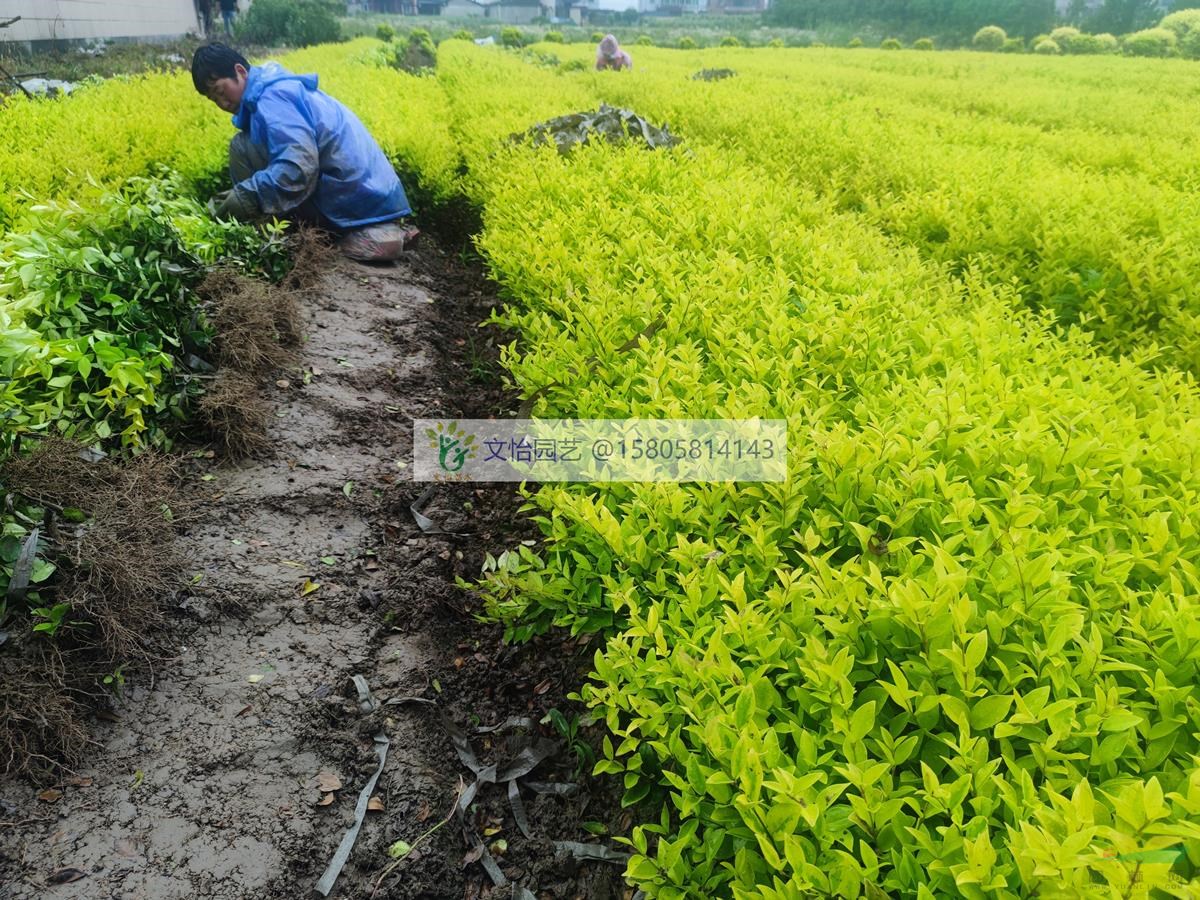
x=232, y=770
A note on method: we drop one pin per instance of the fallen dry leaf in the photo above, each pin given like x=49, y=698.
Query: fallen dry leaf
x=543, y=686
x=424, y=812
x=327, y=781
x=66, y=876
x=375, y=805
x=78, y=781
x=473, y=855
x=50, y=795
x=326, y=800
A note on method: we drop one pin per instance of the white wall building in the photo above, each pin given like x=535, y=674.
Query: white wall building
x=464, y=9
x=642, y=6
x=73, y=20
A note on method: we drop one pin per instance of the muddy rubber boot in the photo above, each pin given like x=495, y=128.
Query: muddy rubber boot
x=378, y=243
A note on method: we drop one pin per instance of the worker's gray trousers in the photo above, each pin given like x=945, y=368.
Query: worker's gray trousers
x=247, y=157
x=375, y=243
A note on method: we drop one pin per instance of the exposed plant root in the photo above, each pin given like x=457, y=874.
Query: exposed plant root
x=41, y=717
x=235, y=413
x=312, y=256
x=256, y=324
x=113, y=569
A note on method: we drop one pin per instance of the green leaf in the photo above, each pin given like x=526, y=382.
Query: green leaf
x=41, y=571
x=989, y=711
x=1120, y=720
x=976, y=651
x=956, y=711
x=10, y=548
x=861, y=722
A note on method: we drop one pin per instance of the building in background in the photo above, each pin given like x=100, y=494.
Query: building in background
x=601, y=10
x=464, y=9
x=505, y=12
x=736, y=7
x=45, y=22
x=518, y=12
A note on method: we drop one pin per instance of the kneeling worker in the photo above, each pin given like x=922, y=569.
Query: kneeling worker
x=301, y=155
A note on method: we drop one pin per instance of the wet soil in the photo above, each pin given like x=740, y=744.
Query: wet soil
x=233, y=769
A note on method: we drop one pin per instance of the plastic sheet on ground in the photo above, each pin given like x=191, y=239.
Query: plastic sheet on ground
x=608, y=123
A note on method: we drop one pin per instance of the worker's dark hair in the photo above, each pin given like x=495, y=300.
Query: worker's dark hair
x=214, y=61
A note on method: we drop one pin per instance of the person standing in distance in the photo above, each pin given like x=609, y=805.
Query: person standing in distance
x=229, y=10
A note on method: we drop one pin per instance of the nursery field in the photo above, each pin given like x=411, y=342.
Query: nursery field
x=957, y=651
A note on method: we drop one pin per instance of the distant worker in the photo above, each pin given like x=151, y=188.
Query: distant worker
x=301, y=155
x=611, y=56
x=205, y=16
x=229, y=10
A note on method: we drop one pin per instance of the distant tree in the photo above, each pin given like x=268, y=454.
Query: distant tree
x=960, y=17
x=1151, y=42
x=989, y=37
x=1124, y=16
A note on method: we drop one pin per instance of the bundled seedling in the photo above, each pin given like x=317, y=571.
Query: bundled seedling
x=101, y=532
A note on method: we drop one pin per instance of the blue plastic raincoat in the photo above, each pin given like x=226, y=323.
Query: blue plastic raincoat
x=317, y=148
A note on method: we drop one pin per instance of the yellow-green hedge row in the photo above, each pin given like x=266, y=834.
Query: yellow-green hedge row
x=1048, y=174
x=955, y=654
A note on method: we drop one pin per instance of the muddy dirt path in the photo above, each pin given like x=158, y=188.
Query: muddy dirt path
x=220, y=776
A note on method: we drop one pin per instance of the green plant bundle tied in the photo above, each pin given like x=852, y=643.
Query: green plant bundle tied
x=97, y=315
x=607, y=124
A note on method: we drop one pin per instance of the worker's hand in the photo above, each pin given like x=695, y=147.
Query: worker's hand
x=217, y=202
x=238, y=203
